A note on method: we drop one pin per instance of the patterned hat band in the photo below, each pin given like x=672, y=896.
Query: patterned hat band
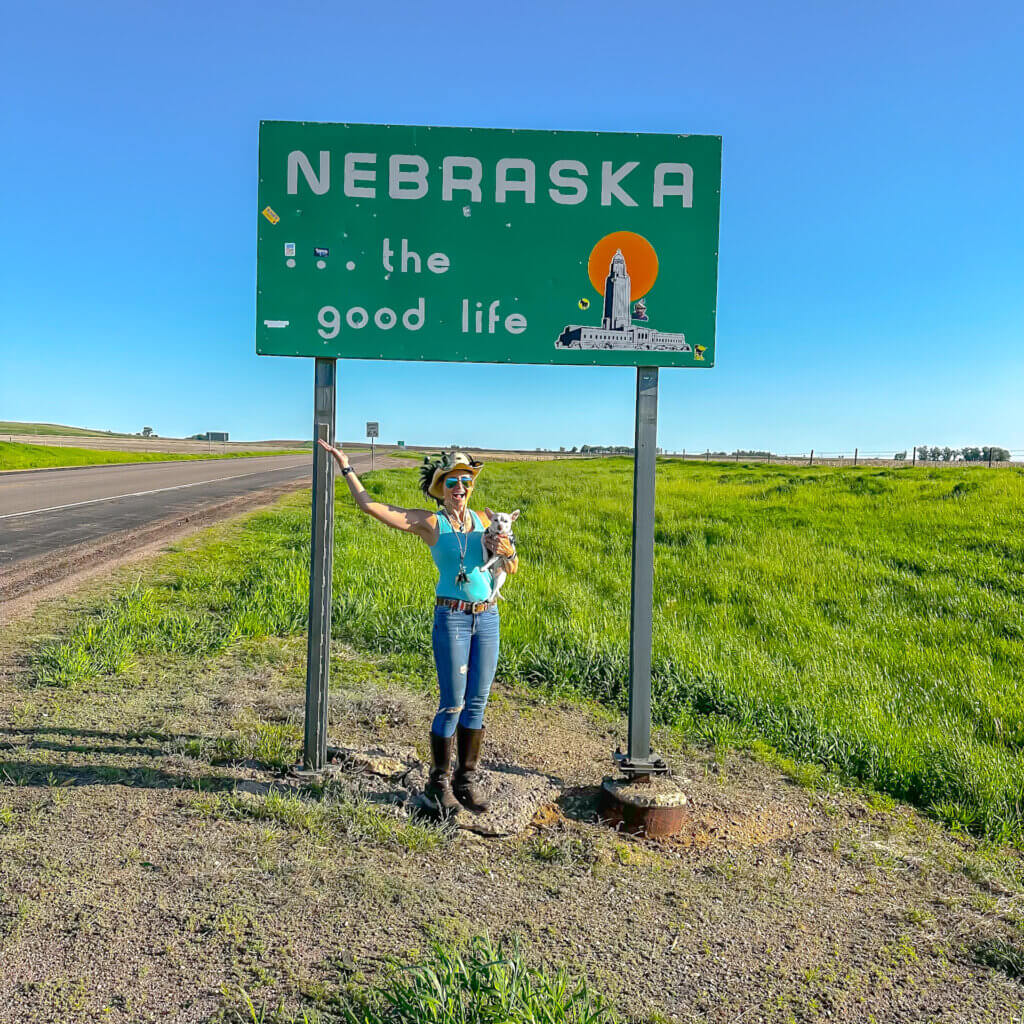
x=436, y=468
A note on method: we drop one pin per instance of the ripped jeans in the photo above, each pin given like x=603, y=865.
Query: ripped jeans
x=466, y=654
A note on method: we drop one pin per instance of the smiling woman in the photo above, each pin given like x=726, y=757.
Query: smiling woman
x=466, y=621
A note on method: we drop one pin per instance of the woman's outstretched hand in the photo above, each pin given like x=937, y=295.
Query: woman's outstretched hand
x=339, y=456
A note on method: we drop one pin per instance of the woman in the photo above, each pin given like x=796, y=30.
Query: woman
x=466, y=624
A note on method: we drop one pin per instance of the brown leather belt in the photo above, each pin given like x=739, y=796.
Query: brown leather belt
x=473, y=608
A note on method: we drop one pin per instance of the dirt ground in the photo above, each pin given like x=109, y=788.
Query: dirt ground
x=146, y=873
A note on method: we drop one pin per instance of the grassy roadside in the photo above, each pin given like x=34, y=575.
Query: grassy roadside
x=866, y=621
x=156, y=863
x=54, y=429
x=14, y=455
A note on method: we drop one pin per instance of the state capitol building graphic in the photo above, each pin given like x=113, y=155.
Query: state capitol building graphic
x=617, y=330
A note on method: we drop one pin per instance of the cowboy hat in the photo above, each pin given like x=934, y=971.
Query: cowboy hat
x=436, y=467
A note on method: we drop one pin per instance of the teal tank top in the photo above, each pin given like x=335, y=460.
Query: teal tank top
x=447, y=557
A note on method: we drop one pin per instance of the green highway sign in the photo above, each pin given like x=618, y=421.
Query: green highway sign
x=487, y=245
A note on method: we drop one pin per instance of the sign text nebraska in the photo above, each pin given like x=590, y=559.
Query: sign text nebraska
x=410, y=176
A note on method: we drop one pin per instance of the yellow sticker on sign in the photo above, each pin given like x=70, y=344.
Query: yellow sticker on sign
x=270, y=215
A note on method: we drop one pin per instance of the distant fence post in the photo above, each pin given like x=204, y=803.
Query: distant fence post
x=684, y=455
x=810, y=461
x=707, y=455
x=769, y=456
x=913, y=458
x=855, y=451
x=990, y=456
x=737, y=455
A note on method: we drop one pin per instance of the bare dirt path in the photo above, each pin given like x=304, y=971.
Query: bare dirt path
x=141, y=882
x=154, y=863
x=157, y=860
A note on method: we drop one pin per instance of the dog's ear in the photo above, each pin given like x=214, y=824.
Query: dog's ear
x=515, y=515
x=489, y=512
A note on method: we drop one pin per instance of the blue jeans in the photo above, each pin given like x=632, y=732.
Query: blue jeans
x=466, y=654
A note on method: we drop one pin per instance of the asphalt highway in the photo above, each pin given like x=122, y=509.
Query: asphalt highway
x=43, y=511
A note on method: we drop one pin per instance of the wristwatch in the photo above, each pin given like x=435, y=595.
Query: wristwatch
x=347, y=470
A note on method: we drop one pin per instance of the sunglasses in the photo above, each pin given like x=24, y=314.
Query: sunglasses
x=453, y=480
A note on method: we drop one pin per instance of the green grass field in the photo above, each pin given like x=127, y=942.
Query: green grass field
x=54, y=429
x=39, y=456
x=870, y=620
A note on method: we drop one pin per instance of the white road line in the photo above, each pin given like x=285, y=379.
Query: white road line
x=139, y=494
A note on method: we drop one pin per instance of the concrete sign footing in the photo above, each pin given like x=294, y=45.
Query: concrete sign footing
x=647, y=805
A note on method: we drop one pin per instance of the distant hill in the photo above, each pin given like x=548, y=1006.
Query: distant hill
x=55, y=428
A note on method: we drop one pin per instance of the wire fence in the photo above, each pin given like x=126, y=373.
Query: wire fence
x=987, y=456
x=983, y=457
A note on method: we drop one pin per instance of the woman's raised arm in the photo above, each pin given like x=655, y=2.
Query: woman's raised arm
x=410, y=520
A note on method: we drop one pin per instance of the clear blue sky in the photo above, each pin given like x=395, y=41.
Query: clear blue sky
x=871, y=285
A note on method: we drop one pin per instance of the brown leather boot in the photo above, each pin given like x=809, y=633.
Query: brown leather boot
x=438, y=789
x=465, y=785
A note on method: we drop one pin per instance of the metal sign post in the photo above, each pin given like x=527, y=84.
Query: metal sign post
x=318, y=651
x=639, y=760
x=372, y=431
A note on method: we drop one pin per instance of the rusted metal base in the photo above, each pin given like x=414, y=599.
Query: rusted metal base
x=631, y=768
x=645, y=805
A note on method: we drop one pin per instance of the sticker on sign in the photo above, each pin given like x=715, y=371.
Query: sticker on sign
x=486, y=245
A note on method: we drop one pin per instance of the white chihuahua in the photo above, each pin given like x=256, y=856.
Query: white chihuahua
x=501, y=526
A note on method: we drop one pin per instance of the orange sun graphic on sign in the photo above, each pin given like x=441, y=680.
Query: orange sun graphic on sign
x=641, y=262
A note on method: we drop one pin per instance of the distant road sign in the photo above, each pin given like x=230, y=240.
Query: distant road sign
x=401, y=444
x=487, y=245
x=372, y=429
